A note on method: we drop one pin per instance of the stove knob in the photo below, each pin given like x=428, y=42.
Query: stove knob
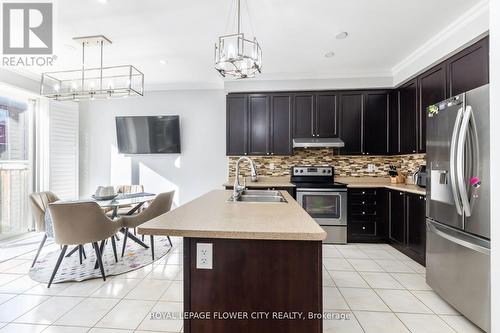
x=301, y=171
x=296, y=171
x=324, y=171
x=329, y=171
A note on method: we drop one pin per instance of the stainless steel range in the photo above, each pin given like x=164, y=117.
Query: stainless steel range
x=324, y=199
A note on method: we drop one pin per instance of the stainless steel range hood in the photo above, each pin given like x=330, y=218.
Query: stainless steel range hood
x=318, y=143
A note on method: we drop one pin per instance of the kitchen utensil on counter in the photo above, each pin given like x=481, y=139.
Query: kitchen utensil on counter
x=421, y=179
x=397, y=177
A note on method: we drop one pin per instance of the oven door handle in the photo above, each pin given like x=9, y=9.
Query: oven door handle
x=301, y=189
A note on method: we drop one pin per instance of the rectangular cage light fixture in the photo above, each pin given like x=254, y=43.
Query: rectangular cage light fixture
x=93, y=83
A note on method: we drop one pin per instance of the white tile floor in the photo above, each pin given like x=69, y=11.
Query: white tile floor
x=373, y=287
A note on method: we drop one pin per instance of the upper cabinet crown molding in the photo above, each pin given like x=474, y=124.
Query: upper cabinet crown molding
x=464, y=31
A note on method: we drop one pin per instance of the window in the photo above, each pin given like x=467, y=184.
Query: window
x=15, y=164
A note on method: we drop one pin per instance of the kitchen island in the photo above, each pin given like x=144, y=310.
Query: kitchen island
x=263, y=268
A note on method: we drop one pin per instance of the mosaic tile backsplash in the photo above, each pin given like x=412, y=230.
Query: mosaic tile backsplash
x=348, y=166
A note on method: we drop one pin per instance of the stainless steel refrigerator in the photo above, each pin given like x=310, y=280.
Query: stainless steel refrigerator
x=458, y=203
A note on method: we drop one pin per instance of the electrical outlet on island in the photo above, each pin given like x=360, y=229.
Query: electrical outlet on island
x=271, y=166
x=371, y=168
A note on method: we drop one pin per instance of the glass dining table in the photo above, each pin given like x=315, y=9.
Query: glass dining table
x=134, y=201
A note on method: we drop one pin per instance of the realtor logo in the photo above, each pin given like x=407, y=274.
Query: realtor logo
x=27, y=28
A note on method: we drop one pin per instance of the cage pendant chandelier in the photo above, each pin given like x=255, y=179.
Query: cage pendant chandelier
x=93, y=83
x=236, y=56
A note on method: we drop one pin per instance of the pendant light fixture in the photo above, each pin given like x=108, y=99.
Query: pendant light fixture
x=236, y=56
x=93, y=83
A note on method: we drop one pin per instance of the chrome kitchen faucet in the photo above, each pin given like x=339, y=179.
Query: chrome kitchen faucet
x=237, y=188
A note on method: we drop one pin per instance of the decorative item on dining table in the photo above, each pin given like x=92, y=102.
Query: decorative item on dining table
x=397, y=177
x=105, y=193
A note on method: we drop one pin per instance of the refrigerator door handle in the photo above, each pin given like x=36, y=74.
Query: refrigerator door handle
x=453, y=161
x=442, y=232
x=476, y=158
x=462, y=186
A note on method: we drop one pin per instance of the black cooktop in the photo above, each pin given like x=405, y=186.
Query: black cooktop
x=319, y=184
x=314, y=177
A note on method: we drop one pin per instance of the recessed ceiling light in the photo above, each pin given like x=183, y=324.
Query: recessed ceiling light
x=163, y=62
x=342, y=35
x=329, y=54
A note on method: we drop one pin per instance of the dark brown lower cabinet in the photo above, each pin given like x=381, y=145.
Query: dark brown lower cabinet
x=365, y=215
x=381, y=215
x=407, y=224
x=252, y=277
x=415, y=207
x=397, y=214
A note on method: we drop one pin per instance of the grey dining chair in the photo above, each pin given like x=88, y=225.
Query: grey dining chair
x=78, y=223
x=160, y=205
x=39, y=204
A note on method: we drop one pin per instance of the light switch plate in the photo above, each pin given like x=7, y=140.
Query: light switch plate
x=204, y=255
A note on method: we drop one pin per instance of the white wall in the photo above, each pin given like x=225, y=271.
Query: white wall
x=495, y=161
x=201, y=166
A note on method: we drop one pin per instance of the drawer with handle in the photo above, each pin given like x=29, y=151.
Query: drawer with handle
x=363, y=192
x=364, y=212
x=363, y=200
x=363, y=228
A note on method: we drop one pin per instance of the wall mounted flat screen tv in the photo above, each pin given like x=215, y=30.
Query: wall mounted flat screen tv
x=148, y=135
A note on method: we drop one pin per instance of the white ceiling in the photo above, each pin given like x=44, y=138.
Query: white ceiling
x=294, y=35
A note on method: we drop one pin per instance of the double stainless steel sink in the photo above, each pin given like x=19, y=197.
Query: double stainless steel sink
x=259, y=196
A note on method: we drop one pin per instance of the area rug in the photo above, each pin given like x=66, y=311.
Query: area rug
x=135, y=257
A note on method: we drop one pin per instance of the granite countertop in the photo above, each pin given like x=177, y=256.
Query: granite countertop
x=211, y=216
x=379, y=182
x=263, y=181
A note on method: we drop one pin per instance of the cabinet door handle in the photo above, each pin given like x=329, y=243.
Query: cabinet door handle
x=363, y=213
x=400, y=193
x=364, y=228
x=363, y=202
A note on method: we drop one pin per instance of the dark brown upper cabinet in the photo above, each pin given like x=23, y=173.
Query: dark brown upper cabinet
x=303, y=114
x=315, y=115
x=236, y=124
x=363, y=122
x=281, y=124
x=469, y=68
x=432, y=89
x=408, y=106
x=373, y=122
x=326, y=116
x=351, y=122
x=394, y=122
x=258, y=124
x=375, y=119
